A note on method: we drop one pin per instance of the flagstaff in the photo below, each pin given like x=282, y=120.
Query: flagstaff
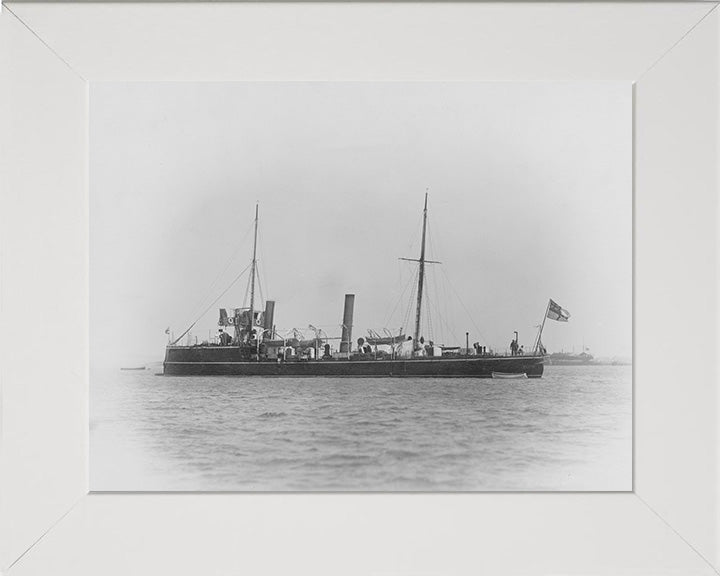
x=542, y=326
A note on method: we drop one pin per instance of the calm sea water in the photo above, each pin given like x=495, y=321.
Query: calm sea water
x=570, y=430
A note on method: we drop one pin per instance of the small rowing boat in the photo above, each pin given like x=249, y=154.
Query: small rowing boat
x=508, y=375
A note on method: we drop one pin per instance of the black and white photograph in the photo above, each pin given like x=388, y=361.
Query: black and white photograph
x=360, y=286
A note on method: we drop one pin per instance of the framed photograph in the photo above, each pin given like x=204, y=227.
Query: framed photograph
x=379, y=286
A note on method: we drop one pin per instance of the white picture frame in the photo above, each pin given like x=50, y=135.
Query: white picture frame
x=49, y=524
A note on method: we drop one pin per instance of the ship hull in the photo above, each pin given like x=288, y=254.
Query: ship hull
x=225, y=361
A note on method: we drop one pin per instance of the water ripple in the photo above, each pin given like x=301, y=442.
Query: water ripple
x=570, y=430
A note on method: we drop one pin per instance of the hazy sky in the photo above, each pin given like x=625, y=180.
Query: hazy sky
x=530, y=199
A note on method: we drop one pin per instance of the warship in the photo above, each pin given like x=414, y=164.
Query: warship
x=248, y=344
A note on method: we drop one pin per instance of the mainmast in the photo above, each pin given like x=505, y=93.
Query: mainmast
x=421, y=277
x=253, y=270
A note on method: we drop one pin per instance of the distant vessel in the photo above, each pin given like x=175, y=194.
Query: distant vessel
x=256, y=349
x=569, y=359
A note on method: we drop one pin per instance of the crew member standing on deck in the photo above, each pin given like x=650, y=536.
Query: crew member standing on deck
x=224, y=338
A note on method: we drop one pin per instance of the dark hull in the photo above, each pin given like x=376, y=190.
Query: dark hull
x=225, y=361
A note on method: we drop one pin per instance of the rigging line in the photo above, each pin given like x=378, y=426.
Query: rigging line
x=428, y=321
x=433, y=275
x=211, y=305
x=446, y=301
x=444, y=329
x=480, y=332
x=388, y=317
x=435, y=255
x=398, y=282
x=435, y=252
x=431, y=235
x=411, y=295
x=260, y=290
x=247, y=290
x=403, y=320
x=427, y=294
x=451, y=332
x=431, y=335
x=433, y=241
x=445, y=311
x=435, y=293
x=441, y=301
x=214, y=283
x=262, y=259
x=418, y=233
x=410, y=306
x=409, y=284
x=431, y=311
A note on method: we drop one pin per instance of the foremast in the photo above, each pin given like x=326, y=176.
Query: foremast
x=253, y=272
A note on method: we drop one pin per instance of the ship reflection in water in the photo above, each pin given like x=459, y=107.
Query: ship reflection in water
x=570, y=430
